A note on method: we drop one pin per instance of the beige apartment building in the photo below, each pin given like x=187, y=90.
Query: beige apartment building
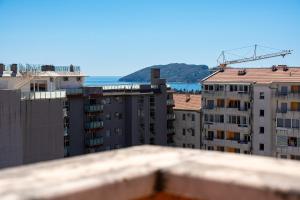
x=187, y=123
x=253, y=111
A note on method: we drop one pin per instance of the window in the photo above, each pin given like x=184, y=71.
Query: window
x=262, y=113
x=261, y=130
x=78, y=79
x=65, y=78
x=287, y=123
x=210, y=104
x=193, y=117
x=183, y=145
x=283, y=108
x=118, y=131
x=211, y=148
x=295, y=123
x=261, y=147
x=210, y=135
x=183, y=131
x=183, y=116
x=220, y=148
x=284, y=90
x=193, y=146
x=107, y=116
x=261, y=95
x=107, y=133
x=220, y=103
x=280, y=123
x=292, y=141
x=193, y=132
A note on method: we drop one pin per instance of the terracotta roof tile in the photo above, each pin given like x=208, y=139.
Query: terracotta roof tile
x=187, y=101
x=257, y=75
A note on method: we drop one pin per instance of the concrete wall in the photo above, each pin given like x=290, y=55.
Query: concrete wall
x=11, y=148
x=42, y=126
x=76, y=130
x=187, y=139
x=268, y=106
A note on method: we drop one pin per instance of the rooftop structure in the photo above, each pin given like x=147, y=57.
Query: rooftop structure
x=148, y=172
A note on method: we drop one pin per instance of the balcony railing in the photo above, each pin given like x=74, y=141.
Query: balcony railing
x=149, y=172
x=170, y=102
x=94, y=108
x=170, y=116
x=43, y=95
x=74, y=91
x=94, y=142
x=94, y=125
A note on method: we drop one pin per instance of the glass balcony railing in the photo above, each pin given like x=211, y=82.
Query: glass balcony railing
x=43, y=95
x=94, y=108
x=94, y=142
x=94, y=124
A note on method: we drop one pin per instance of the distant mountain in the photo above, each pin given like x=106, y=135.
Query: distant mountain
x=174, y=72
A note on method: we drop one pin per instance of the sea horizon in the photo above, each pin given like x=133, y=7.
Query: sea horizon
x=114, y=80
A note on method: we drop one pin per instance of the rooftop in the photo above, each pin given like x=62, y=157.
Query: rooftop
x=187, y=101
x=152, y=172
x=256, y=75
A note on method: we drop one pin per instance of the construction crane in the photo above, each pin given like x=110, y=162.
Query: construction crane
x=223, y=62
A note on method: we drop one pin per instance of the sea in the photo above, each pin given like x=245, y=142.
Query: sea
x=114, y=80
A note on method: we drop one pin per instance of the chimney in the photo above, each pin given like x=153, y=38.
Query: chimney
x=187, y=97
x=155, y=77
x=2, y=68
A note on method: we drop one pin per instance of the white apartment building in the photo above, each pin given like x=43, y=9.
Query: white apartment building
x=187, y=120
x=253, y=111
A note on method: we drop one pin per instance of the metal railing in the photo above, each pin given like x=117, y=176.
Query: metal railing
x=74, y=91
x=94, y=108
x=94, y=142
x=94, y=124
x=43, y=95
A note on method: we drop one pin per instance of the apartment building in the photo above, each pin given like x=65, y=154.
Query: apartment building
x=113, y=117
x=31, y=112
x=46, y=113
x=253, y=111
x=187, y=115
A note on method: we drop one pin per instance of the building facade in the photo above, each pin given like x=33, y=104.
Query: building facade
x=253, y=111
x=113, y=117
x=187, y=115
x=47, y=113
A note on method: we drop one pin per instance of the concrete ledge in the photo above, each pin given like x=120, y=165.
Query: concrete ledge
x=144, y=172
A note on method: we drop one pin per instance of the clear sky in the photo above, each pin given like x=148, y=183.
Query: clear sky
x=116, y=37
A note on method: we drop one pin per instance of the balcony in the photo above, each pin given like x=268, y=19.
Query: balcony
x=93, y=108
x=227, y=94
x=74, y=91
x=170, y=131
x=226, y=110
x=58, y=94
x=287, y=95
x=94, y=142
x=148, y=172
x=170, y=116
x=94, y=125
x=241, y=144
x=291, y=114
x=227, y=127
x=170, y=102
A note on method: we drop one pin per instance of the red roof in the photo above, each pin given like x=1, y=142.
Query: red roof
x=187, y=102
x=257, y=75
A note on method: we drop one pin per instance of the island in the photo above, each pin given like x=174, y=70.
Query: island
x=173, y=72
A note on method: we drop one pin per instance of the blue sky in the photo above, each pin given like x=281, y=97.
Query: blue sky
x=116, y=37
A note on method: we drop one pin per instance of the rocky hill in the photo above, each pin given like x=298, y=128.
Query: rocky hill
x=174, y=72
